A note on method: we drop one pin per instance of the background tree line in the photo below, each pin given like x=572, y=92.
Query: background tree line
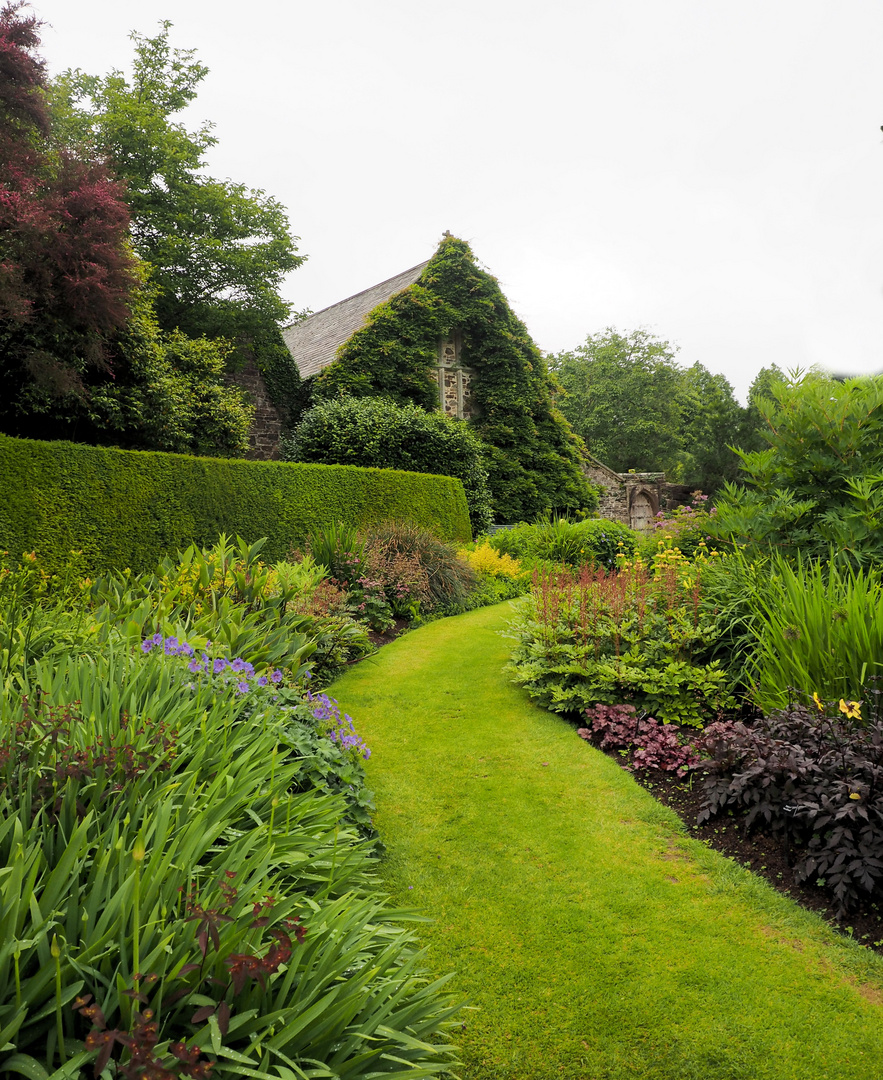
x=636, y=408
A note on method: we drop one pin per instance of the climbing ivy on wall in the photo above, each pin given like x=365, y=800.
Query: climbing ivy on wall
x=532, y=454
x=280, y=374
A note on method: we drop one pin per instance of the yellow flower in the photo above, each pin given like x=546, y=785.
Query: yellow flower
x=819, y=705
x=851, y=709
x=854, y=795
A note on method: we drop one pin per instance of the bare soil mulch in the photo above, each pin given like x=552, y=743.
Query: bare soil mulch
x=761, y=852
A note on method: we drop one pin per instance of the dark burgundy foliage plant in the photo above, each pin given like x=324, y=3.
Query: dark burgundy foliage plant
x=817, y=781
x=65, y=270
x=653, y=745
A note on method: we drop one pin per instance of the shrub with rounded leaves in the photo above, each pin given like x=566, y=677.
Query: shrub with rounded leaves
x=377, y=433
x=595, y=540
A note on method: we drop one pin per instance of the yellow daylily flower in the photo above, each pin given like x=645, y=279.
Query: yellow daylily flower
x=819, y=704
x=851, y=709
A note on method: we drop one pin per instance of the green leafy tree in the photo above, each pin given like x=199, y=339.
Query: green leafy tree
x=219, y=250
x=636, y=408
x=169, y=391
x=711, y=424
x=753, y=424
x=623, y=396
x=817, y=488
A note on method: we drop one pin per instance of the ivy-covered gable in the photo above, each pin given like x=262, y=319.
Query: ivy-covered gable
x=534, y=458
x=395, y=354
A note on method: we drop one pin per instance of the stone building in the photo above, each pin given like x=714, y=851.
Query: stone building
x=634, y=498
x=314, y=343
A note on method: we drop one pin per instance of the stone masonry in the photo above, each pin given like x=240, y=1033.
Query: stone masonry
x=634, y=498
x=454, y=380
x=266, y=429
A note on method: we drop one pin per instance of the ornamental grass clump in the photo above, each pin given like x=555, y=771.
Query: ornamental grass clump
x=448, y=578
x=381, y=571
x=598, y=637
x=816, y=626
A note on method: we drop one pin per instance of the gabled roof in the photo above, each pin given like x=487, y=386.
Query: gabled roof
x=314, y=341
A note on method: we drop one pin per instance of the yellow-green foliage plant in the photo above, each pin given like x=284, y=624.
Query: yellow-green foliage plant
x=486, y=560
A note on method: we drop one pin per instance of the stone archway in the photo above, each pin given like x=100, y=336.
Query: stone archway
x=642, y=511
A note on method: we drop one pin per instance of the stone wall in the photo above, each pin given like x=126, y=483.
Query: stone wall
x=266, y=430
x=634, y=498
x=454, y=380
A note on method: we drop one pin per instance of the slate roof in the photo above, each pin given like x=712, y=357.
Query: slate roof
x=314, y=341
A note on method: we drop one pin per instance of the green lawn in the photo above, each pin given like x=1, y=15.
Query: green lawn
x=591, y=935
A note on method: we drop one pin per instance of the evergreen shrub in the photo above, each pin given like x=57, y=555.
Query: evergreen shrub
x=129, y=508
x=378, y=433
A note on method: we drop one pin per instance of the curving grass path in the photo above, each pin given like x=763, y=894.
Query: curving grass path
x=593, y=937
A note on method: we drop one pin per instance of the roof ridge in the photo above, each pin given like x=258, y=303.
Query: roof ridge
x=361, y=292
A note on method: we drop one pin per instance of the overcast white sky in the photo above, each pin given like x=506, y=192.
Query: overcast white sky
x=711, y=171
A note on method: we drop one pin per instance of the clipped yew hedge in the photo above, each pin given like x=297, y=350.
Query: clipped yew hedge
x=129, y=508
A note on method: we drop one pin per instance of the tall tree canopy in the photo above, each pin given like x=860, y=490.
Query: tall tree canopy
x=623, y=396
x=81, y=353
x=66, y=273
x=754, y=424
x=637, y=408
x=712, y=421
x=218, y=250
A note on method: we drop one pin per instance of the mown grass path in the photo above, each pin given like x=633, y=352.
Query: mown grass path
x=594, y=938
